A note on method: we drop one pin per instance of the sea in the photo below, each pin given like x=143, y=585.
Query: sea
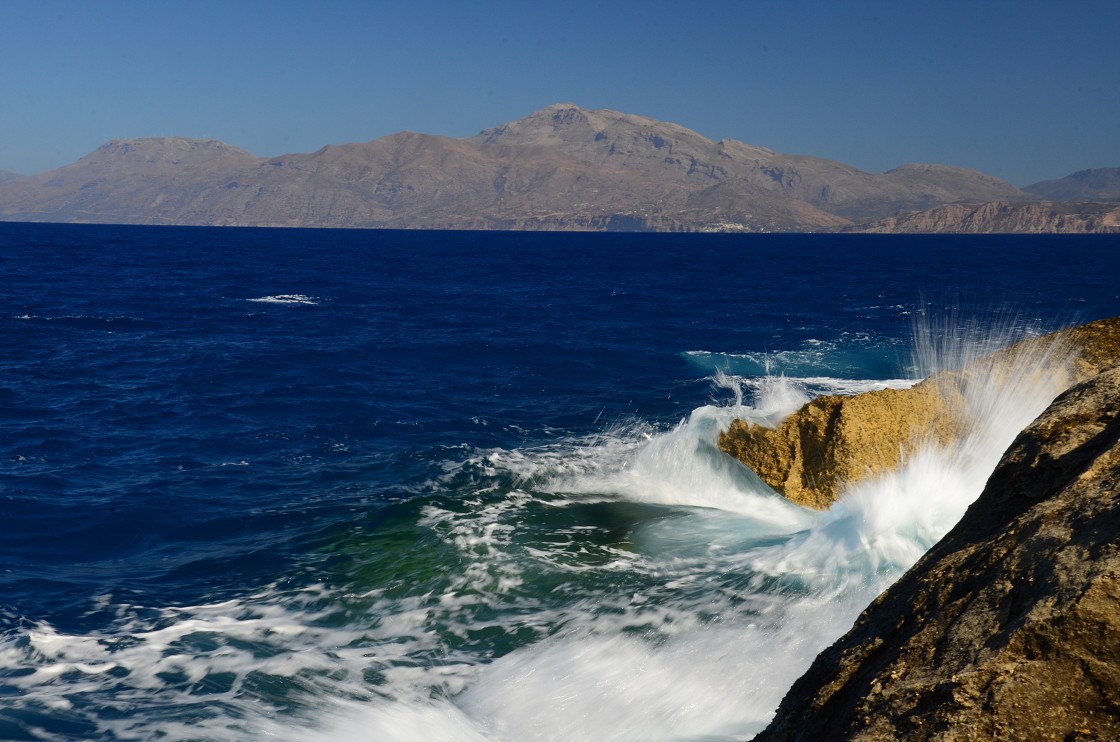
x=418, y=485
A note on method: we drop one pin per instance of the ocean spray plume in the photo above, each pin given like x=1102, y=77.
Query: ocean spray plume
x=837, y=441
x=882, y=524
x=678, y=467
x=721, y=380
x=775, y=397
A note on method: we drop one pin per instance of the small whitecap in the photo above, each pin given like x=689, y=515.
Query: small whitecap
x=286, y=299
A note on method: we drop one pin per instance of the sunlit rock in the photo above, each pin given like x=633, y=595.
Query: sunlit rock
x=835, y=441
x=1009, y=628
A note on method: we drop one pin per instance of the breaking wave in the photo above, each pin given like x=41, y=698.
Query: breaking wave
x=636, y=584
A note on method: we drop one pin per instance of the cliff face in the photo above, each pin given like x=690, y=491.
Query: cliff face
x=834, y=442
x=1009, y=628
x=1003, y=217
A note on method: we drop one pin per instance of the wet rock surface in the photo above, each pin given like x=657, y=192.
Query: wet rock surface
x=836, y=441
x=1009, y=628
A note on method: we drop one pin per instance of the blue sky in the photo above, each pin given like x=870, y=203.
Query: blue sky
x=1023, y=90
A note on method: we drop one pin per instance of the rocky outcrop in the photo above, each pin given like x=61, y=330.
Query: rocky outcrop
x=1003, y=217
x=834, y=441
x=1009, y=628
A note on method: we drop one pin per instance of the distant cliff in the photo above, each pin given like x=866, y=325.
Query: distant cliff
x=563, y=167
x=1065, y=217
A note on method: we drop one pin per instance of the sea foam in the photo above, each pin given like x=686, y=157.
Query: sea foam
x=285, y=299
x=636, y=584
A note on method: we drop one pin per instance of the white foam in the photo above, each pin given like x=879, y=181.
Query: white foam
x=285, y=299
x=689, y=621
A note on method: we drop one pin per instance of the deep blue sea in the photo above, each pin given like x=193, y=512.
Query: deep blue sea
x=382, y=485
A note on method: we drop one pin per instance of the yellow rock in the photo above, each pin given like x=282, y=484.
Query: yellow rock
x=834, y=441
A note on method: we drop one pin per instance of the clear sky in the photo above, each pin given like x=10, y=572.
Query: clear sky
x=1022, y=89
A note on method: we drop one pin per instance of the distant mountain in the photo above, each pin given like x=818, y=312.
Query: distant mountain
x=1101, y=184
x=7, y=177
x=563, y=167
x=669, y=151
x=404, y=180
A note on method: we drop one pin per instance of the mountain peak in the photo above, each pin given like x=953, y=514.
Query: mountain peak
x=566, y=125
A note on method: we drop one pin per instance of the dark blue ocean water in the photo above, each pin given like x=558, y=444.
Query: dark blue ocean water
x=245, y=472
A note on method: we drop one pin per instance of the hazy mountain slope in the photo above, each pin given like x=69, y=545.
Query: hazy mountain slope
x=404, y=180
x=143, y=180
x=670, y=151
x=1100, y=184
x=8, y=177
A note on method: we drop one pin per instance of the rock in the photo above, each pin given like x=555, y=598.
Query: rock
x=835, y=441
x=1009, y=628
x=1047, y=217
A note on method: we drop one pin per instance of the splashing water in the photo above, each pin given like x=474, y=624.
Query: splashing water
x=744, y=591
x=637, y=585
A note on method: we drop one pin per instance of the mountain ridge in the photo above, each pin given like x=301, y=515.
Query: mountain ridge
x=563, y=167
x=1098, y=184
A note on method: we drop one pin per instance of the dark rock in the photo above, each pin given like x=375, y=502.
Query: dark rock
x=1009, y=628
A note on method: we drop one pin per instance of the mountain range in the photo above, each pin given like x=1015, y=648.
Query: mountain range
x=563, y=167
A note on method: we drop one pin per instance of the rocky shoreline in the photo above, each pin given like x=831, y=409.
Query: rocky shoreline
x=1009, y=627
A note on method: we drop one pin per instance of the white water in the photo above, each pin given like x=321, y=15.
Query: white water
x=285, y=299
x=692, y=629
x=724, y=650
